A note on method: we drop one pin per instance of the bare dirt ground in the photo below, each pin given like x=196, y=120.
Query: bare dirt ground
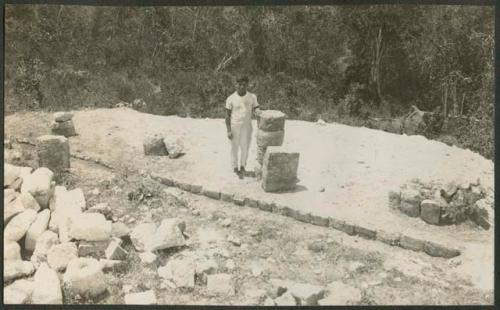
x=355, y=165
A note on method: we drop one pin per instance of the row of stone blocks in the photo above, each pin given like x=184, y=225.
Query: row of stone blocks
x=403, y=241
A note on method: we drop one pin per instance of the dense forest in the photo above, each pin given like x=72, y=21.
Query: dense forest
x=338, y=63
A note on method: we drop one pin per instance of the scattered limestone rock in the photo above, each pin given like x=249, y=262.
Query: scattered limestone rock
x=84, y=276
x=11, y=207
x=59, y=255
x=269, y=302
x=53, y=152
x=10, y=174
x=36, y=229
x=341, y=294
x=90, y=227
x=154, y=146
x=19, y=225
x=167, y=235
x=220, y=284
x=107, y=264
x=285, y=300
x=306, y=294
x=11, y=251
x=119, y=230
x=47, y=287
x=27, y=201
x=43, y=244
x=147, y=257
x=141, y=236
x=102, y=208
x=19, y=292
x=180, y=271
x=39, y=185
x=17, y=269
x=173, y=146
x=142, y=298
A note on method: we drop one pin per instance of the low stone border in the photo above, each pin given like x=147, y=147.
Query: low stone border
x=403, y=241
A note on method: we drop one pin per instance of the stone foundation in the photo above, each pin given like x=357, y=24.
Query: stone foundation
x=53, y=152
x=279, y=170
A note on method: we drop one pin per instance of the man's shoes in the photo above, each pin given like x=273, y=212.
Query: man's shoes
x=243, y=171
x=238, y=173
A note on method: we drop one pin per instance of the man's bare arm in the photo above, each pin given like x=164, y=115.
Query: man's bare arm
x=228, y=124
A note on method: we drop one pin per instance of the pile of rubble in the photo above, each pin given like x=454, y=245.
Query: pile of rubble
x=47, y=231
x=445, y=204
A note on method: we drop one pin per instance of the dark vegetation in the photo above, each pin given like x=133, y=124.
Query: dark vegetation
x=339, y=63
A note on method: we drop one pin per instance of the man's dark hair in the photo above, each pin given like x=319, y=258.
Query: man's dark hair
x=242, y=78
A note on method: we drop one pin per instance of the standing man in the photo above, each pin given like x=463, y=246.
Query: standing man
x=239, y=108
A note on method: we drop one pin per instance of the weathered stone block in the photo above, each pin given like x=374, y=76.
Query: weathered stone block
x=185, y=186
x=365, y=232
x=228, y=197
x=173, y=146
x=394, y=199
x=271, y=120
x=430, y=211
x=252, y=203
x=265, y=206
x=92, y=248
x=211, y=193
x=196, y=189
x=270, y=138
x=319, y=220
x=411, y=209
x=154, y=146
x=388, y=238
x=437, y=250
x=279, y=171
x=66, y=128
x=115, y=251
x=410, y=243
x=53, y=152
x=239, y=200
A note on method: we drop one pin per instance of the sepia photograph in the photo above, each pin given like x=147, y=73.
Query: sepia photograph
x=248, y=155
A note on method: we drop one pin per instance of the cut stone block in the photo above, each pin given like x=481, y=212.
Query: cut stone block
x=66, y=128
x=430, y=211
x=411, y=209
x=62, y=116
x=365, y=232
x=271, y=120
x=90, y=227
x=17, y=269
x=154, y=146
x=279, y=171
x=115, y=251
x=19, y=292
x=92, y=248
x=173, y=146
x=239, y=200
x=307, y=294
x=270, y=138
x=252, y=203
x=180, y=271
x=388, y=238
x=53, y=152
x=211, y=193
x=437, y=250
x=168, y=235
x=196, y=189
x=319, y=220
x=228, y=197
x=411, y=243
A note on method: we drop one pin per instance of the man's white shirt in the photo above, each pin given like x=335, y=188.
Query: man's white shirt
x=241, y=107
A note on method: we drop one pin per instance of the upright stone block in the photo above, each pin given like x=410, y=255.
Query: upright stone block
x=272, y=120
x=65, y=128
x=279, y=171
x=430, y=211
x=154, y=146
x=53, y=152
x=270, y=138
